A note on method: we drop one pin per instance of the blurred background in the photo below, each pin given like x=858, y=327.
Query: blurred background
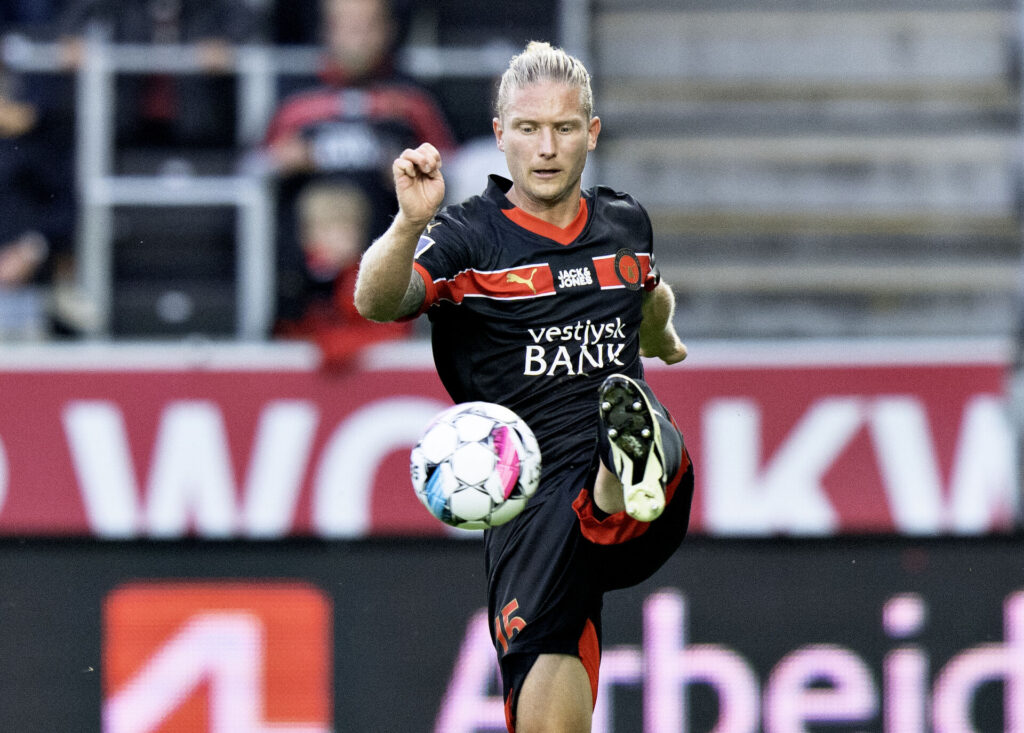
x=203, y=447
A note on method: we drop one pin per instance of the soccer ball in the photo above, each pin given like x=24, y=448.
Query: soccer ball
x=476, y=465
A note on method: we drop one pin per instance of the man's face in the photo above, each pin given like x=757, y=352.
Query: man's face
x=358, y=33
x=545, y=136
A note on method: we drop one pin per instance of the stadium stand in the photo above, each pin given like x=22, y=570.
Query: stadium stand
x=177, y=241
x=819, y=169
x=811, y=170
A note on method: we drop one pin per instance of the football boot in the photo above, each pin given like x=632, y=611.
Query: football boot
x=630, y=423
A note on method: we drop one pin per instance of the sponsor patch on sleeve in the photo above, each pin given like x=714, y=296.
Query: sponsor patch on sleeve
x=423, y=245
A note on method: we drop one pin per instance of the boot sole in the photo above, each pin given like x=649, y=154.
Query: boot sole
x=635, y=436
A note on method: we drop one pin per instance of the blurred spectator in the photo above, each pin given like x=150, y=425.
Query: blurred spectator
x=167, y=109
x=333, y=222
x=37, y=213
x=350, y=126
x=465, y=173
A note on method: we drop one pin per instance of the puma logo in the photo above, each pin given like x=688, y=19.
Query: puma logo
x=431, y=225
x=528, y=282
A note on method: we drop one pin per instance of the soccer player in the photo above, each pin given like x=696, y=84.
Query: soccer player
x=543, y=297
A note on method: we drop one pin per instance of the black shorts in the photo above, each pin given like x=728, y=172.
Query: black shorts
x=549, y=569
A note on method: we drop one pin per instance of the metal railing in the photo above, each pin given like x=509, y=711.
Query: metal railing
x=257, y=69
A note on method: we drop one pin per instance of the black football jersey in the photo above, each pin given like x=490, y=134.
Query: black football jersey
x=534, y=317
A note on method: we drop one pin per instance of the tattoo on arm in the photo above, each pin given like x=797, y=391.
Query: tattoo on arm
x=414, y=295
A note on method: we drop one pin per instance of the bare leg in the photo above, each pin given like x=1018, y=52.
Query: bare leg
x=608, y=491
x=556, y=697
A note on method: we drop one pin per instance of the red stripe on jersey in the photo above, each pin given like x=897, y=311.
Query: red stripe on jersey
x=609, y=277
x=510, y=724
x=590, y=655
x=531, y=281
x=620, y=527
x=566, y=235
x=300, y=111
x=417, y=108
x=431, y=295
x=403, y=103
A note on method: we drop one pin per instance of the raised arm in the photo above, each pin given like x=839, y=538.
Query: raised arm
x=387, y=287
x=658, y=337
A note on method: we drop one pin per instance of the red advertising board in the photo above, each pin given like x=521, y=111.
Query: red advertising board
x=816, y=439
x=182, y=657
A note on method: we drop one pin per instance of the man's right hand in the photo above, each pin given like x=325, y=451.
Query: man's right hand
x=387, y=287
x=419, y=185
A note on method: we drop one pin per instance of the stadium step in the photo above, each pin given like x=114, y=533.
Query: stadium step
x=805, y=168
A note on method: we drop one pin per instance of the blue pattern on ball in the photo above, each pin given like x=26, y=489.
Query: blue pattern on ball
x=436, y=501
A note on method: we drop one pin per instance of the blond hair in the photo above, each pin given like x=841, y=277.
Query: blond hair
x=540, y=61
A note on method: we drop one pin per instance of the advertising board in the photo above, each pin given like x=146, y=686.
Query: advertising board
x=894, y=635
x=818, y=440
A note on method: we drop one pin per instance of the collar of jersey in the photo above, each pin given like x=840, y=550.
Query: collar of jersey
x=562, y=235
x=536, y=225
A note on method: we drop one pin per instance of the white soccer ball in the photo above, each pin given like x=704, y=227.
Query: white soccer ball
x=476, y=465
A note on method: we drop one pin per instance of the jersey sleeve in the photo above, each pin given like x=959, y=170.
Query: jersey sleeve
x=443, y=251
x=652, y=276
